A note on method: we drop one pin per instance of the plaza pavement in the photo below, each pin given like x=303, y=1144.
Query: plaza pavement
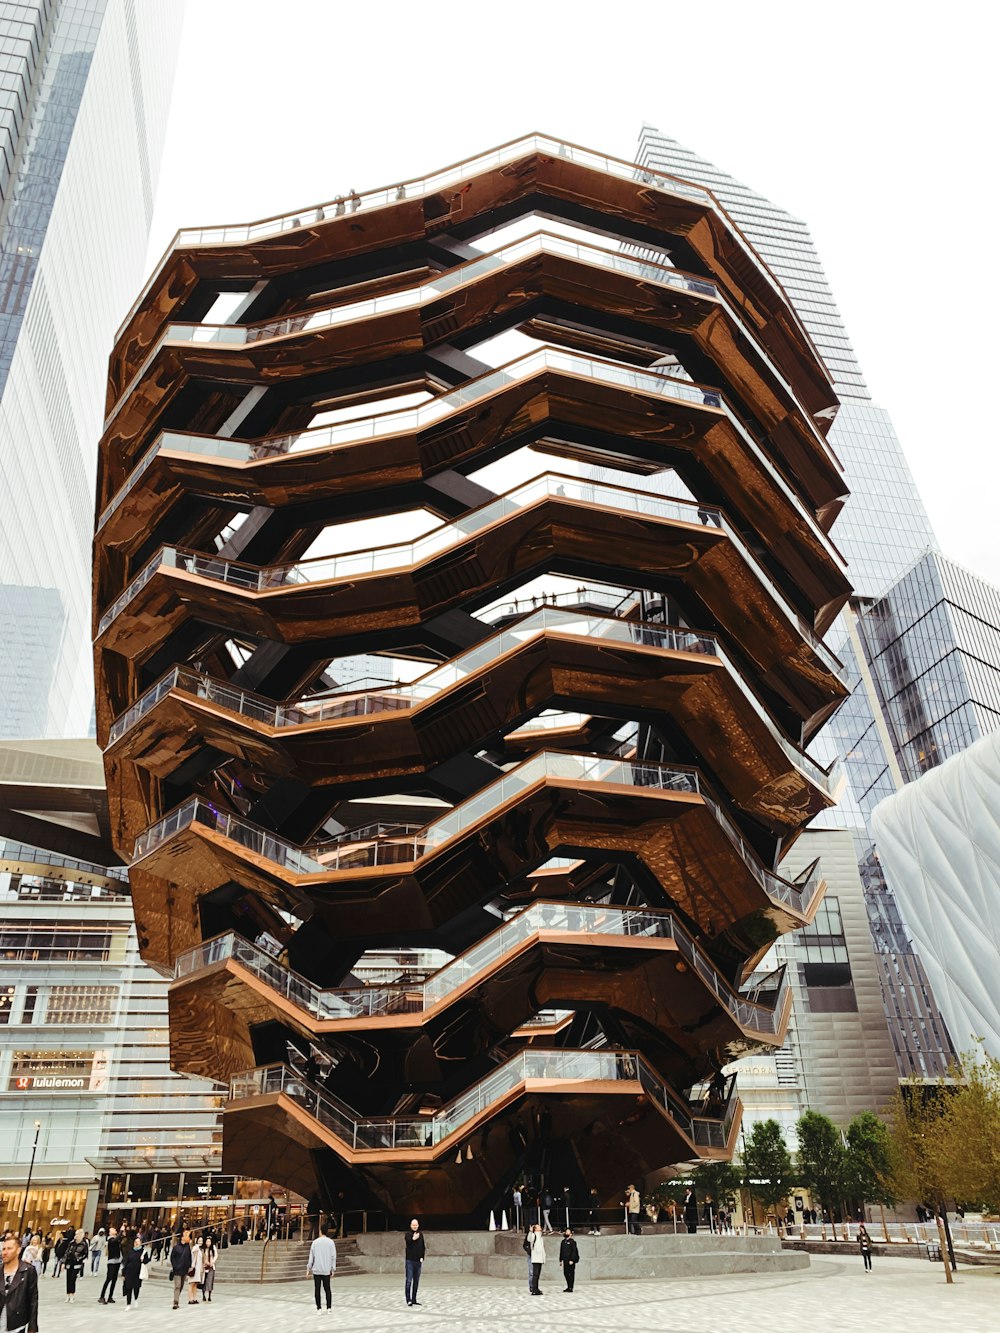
x=832, y=1296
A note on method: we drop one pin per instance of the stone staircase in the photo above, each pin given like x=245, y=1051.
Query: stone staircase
x=283, y=1261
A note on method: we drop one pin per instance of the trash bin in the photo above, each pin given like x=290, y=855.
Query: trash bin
x=934, y=1251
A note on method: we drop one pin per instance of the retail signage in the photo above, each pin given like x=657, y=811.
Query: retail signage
x=63, y=1078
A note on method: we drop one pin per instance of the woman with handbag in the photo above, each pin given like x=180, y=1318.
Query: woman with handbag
x=195, y=1271
x=209, y=1255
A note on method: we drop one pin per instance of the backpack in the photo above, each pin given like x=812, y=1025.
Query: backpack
x=526, y=1245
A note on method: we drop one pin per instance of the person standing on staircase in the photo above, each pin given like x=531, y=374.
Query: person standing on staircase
x=322, y=1265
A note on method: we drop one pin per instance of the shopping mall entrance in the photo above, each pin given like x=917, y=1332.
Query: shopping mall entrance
x=172, y=1199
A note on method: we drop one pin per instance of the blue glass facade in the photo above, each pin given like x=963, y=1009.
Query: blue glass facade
x=84, y=91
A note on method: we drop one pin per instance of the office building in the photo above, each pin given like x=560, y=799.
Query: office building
x=83, y=1021
x=83, y=107
x=883, y=531
x=582, y=803
x=939, y=840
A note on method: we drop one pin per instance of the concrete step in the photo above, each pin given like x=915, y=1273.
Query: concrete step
x=499, y=1254
x=285, y=1261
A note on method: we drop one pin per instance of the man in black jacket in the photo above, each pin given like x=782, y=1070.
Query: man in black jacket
x=415, y=1251
x=180, y=1264
x=569, y=1257
x=107, y=1296
x=19, y=1297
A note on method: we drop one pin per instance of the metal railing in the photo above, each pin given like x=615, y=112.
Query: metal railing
x=571, y=918
x=373, y=852
x=392, y=1133
x=615, y=497
x=418, y=187
x=408, y=695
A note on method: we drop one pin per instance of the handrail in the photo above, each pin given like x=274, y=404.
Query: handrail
x=410, y=695
x=322, y=859
x=454, y=175
x=425, y=292
x=392, y=1133
x=407, y=998
x=407, y=695
x=409, y=420
x=370, y=561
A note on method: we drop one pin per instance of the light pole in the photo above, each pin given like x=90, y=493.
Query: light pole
x=27, y=1185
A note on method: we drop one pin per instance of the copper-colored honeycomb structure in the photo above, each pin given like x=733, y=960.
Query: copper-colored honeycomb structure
x=587, y=757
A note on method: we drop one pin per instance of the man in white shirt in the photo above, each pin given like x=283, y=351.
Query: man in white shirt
x=322, y=1265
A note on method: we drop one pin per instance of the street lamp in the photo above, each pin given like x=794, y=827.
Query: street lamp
x=27, y=1185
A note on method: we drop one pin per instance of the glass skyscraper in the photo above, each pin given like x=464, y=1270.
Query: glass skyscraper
x=887, y=539
x=884, y=526
x=84, y=93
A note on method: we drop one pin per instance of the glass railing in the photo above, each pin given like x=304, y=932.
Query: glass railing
x=309, y=322
x=418, y=187
x=356, y=564
x=365, y=853
x=555, y=1066
x=392, y=423
x=360, y=563
x=408, y=695
x=470, y=967
x=410, y=420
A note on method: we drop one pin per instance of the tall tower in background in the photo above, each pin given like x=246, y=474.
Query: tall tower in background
x=884, y=532
x=884, y=526
x=84, y=95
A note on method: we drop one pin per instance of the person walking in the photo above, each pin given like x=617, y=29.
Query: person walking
x=518, y=1202
x=569, y=1257
x=322, y=1265
x=19, y=1291
x=595, y=1218
x=536, y=1258
x=74, y=1262
x=690, y=1211
x=47, y=1244
x=114, y=1252
x=865, y=1246
x=196, y=1271
x=97, y=1248
x=132, y=1272
x=415, y=1251
x=180, y=1264
x=546, y=1202
x=209, y=1256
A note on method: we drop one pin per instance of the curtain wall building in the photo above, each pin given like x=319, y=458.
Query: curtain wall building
x=83, y=105
x=883, y=531
x=583, y=794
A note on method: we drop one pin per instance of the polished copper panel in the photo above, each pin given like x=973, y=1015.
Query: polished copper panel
x=663, y=430
x=673, y=835
x=671, y=775
x=506, y=295
x=553, y=669
x=551, y=182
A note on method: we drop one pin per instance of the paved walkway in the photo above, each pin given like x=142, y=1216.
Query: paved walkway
x=833, y=1296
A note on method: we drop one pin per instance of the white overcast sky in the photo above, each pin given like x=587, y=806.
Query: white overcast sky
x=877, y=123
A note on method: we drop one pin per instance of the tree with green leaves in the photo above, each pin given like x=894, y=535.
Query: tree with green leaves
x=718, y=1181
x=822, y=1162
x=869, y=1160
x=767, y=1164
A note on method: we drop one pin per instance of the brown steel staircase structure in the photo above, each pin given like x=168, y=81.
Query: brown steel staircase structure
x=580, y=792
